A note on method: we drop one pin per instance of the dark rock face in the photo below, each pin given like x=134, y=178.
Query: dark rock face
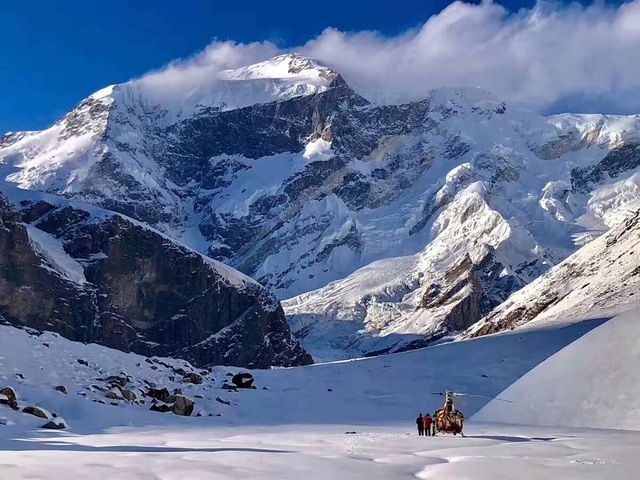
x=61, y=389
x=143, y=293
x=243, y=380
x=472, y=290
x=11, y=397
x=55, y=424
x=617, y=161
x=31, y=294
x=35, y=411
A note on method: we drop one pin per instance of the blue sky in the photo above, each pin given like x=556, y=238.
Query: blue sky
x=54, y=53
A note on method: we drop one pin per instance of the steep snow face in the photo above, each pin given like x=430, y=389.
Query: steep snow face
x=589, y=383
x=52, y=250
x=62, y=156
x=472, y=261
x=605, y=274
x=609, y=130
x=287, y=66
x=395, y=223
x=115, y=129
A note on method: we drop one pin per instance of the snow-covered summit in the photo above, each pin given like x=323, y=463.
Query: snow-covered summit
x=290, y=66
x=278, y=79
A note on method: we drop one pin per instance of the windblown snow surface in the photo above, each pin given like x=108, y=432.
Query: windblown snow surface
x=350, y=419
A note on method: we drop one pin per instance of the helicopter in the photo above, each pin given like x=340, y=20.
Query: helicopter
x=448, y=419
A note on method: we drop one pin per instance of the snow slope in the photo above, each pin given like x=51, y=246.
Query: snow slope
x=368, y=391
x=592, y=382
x=298, y=425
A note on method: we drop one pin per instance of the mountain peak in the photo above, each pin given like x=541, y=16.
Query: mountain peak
x=289, y=66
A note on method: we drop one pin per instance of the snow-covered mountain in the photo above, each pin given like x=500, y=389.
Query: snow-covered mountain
x=605, y=274
x=384, y=226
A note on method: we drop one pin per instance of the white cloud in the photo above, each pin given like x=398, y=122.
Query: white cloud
x=548, y=57
x=180, y=77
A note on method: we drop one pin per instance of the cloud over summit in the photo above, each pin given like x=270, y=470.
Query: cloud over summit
x=550, y=58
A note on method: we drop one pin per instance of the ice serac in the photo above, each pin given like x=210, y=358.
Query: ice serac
x=605, y=274
x=95, y=276
x=384, y=227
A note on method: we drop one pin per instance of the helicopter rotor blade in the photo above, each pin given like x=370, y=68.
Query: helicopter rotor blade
x=456, y=394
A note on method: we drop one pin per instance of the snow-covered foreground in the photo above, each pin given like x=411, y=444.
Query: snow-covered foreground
x=490, y=451
x=302, y=424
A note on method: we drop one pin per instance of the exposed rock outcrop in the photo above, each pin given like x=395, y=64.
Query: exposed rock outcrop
x=603, y=274
x=243, y=380
x=8, y=397
x=469, y=291
x=108, y=280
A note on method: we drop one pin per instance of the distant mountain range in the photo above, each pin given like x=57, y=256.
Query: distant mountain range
x=380, y=227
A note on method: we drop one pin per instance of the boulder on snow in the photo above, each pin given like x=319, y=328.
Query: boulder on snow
x=243, y=380
x=192, y=377
x=183, y=406
x=55, y=424
x=114, y=394
x=129, y=395
x=180, y=371
x=223, y=401
x=37, y=412
x=62, y=389
x=118, y=380
x=161, y=394
x=8, y=397
x=161, y=407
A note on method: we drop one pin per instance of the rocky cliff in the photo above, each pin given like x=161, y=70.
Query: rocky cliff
x=94, y=276
x=602, y=276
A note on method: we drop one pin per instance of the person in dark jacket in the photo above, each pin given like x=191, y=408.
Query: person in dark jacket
x=426, y=420
x=420, y=423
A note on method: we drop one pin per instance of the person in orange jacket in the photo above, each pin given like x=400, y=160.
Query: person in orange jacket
x=427, y=420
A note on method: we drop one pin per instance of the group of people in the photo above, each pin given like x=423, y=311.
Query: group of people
x=426, y=425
